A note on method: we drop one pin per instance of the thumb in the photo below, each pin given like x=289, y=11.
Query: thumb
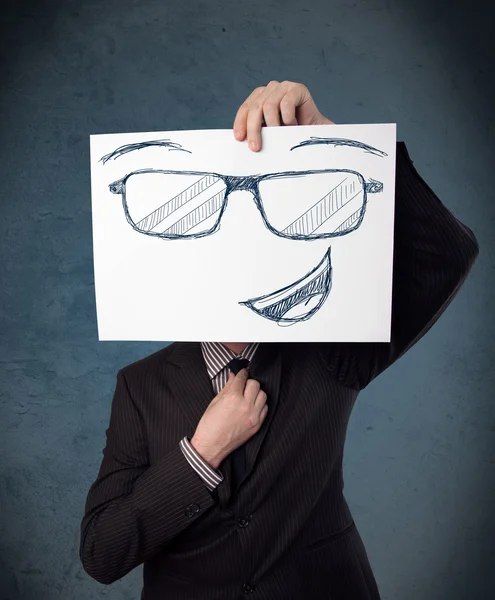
x=225, y=388
x=229, y=381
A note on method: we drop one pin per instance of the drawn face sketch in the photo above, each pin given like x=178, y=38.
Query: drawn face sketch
x=296, y=214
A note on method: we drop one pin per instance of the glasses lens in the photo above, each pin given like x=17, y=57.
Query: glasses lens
x=320, y=203
x=175, y=205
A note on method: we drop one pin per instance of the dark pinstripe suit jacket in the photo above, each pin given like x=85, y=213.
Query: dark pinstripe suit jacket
x=288, y=533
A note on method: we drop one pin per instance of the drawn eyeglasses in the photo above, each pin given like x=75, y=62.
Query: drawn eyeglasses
x=190, y=204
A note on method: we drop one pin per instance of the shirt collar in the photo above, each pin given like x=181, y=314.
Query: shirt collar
x=217, y=356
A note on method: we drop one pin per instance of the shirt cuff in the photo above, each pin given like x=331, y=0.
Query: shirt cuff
x=210, y=477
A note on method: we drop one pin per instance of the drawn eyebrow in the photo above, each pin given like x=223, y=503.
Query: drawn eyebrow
x=341, y=142
x=139, y=146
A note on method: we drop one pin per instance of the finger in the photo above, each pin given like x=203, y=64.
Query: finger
x=306, y=111
x=260, y=399
x=240, y=121
x=224, y=390
x=251, y=390
x=263, y=412
x=254, y=119
x=271, y=114
x=271, y=107
x=288, y=110
x=255, y=116
x=229, y=381
x=239, y=382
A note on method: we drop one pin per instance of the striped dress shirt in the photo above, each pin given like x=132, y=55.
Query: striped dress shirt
x=217, y=358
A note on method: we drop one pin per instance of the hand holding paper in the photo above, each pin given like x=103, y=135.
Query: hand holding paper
x=285, y=103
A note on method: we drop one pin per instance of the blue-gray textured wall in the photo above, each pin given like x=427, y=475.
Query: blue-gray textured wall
x=420, y=453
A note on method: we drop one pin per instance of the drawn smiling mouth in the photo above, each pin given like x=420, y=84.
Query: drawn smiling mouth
x=298, y=301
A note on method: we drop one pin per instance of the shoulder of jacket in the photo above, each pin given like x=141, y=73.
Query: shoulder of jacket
x=150, y=362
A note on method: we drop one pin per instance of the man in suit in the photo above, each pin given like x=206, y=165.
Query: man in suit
x=222, y=471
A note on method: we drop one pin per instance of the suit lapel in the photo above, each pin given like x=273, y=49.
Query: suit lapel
x=266, y=368
x=189, y=382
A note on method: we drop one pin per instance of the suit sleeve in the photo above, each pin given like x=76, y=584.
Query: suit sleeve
x=433, y=254
x=133, y=510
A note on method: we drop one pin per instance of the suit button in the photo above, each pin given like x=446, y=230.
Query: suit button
x=247, y=588
x=243, y=521
x=192, y=510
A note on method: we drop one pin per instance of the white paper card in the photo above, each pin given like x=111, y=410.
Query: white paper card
x=197, y=238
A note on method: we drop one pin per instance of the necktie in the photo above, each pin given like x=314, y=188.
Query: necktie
x=239, y=454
